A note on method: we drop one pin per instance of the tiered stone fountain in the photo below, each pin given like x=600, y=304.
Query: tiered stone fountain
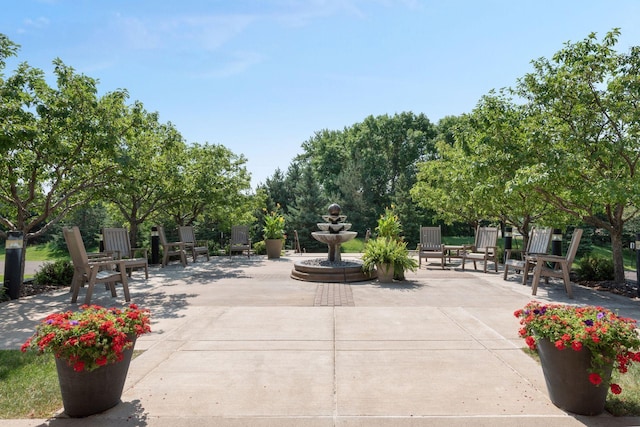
x=334, y=231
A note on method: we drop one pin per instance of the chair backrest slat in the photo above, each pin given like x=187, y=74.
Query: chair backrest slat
x=430, y=238
x=186, y=234
x=486, y=237
x=77, y=251
x=573, y=246
x=117, y=239
x=539, y=241
x=240, y=235
x=161, y=235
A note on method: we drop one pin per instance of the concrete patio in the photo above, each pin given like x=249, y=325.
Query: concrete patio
x=237, y=342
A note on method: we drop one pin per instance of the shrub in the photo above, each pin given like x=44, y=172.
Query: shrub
x=260, y=248
x=58, y=273
x=595, y=268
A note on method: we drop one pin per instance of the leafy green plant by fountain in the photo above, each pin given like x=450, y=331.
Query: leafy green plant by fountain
x=389, y=225
x=383, y=250
x=389, y=235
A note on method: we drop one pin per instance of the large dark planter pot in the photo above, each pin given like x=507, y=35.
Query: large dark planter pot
x=274, y=248
x=567, y=378
x=87, y=393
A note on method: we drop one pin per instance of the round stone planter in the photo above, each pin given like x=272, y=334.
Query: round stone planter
x=274, y=248
x=385, y=273
x=566, y=374
x=86, y=393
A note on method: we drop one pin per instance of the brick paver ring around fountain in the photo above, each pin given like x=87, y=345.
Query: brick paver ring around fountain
x=333, y=294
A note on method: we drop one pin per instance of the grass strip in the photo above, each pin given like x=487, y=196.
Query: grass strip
x=28, y=385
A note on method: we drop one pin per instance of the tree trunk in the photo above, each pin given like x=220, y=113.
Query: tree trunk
x=616, y=251
x=133, y=233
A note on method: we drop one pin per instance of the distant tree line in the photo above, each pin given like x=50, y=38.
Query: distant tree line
x=561, y=148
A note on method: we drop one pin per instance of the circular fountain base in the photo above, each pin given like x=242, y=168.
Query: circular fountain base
x=322, y=270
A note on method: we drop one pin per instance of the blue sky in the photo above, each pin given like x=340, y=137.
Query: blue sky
x=262, y=76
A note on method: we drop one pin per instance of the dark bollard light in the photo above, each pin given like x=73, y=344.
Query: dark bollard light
x=508, y=242
x=638, y=263
x=556, y=242
x=13, y=263
x=155, y=246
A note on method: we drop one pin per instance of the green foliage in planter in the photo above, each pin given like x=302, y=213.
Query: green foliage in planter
x=384, y=250
x=593, y=267
x=58, y=273
x=389, y=225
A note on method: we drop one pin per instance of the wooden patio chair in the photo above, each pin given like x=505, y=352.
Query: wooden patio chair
x=431, y=245
x=116, y=240
x=561, y=265
x=538, y=244
x=484, y=249
x=171, y=249
x=240, y=240
x=94, y=271
x=187, y=235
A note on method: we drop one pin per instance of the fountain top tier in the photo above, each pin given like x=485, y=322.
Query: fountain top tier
x=334, y=222
x=334, y=232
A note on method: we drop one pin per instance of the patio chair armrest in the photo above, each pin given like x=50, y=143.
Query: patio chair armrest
x=105, y=254
x=545, y=258
x=144, y=251
x=106, y=262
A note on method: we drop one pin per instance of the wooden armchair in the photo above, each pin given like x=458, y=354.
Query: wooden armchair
x=538, y=244
x=187, y=235
x=94, y=271
x=171, y=249
x=240, y=240
x=116, y=240
x=561, y=266
x=484, y=249
x=431, y=245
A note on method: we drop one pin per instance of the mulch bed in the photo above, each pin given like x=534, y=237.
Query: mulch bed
x=627, y=289
x=30, y=288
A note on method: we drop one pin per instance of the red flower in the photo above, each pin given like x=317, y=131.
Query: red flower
x=531, y=342
x=576, y=345
x=78, y=366
x=595, y=379
x=101, y=361
x=559, y=345
x=615, y=389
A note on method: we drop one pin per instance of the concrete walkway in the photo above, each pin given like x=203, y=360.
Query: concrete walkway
x=237, y=342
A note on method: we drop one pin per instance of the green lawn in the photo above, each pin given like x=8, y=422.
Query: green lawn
x=29, y=386
x=43, y=252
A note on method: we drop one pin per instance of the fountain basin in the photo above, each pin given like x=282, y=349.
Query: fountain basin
x=334, y=239
x=322, y=270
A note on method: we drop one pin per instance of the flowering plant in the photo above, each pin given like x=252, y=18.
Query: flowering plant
x=273, y=224
x=609, y=337
x=92, y=337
